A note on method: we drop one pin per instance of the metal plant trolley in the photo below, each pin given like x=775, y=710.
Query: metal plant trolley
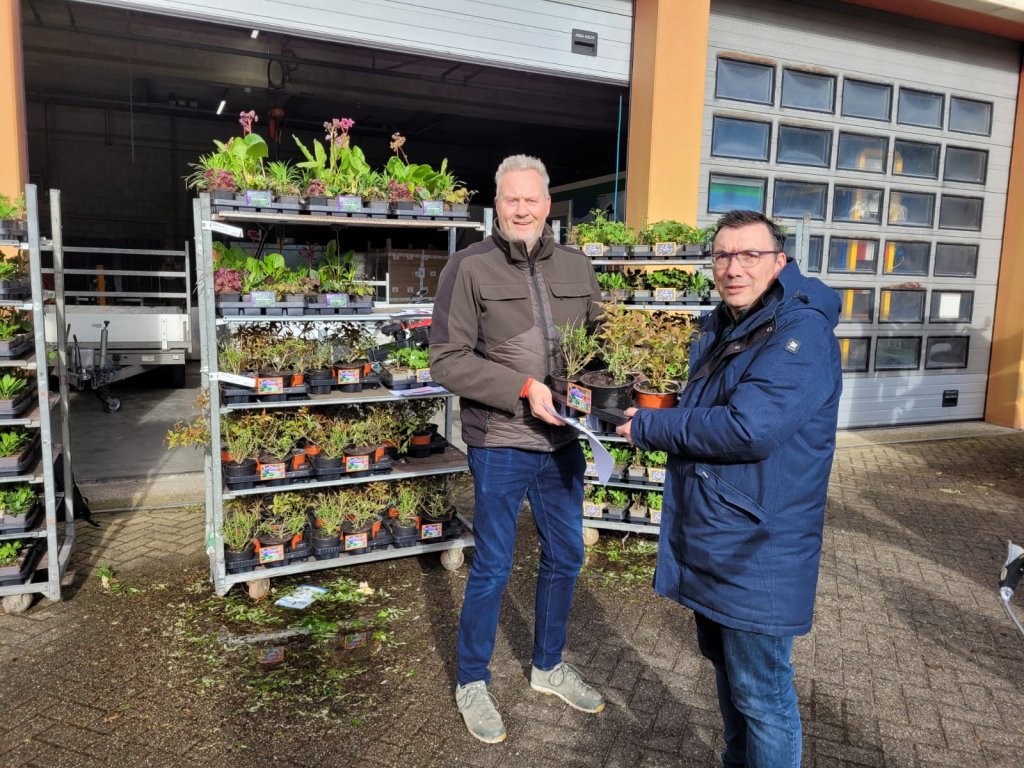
x=451, y=461
x=55, y=533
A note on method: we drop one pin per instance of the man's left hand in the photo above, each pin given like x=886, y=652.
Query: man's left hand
x=626, y=430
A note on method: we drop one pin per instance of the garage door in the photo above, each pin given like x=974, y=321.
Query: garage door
x=893, y=136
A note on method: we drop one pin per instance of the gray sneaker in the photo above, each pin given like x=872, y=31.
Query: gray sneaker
x=565, y=682
x=480, y=713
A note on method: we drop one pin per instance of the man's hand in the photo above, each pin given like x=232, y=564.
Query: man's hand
x=626, y=430
x=539, y=397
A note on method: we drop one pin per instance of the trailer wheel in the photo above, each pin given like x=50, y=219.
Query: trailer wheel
x=258, y=588
x=590, y=536
x=112, y=404
x=452, y=559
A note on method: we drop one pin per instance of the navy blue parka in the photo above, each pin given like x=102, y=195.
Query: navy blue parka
x=751, y=445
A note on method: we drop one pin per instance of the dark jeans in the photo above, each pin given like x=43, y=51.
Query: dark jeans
x=502, y=478
x=755, y=694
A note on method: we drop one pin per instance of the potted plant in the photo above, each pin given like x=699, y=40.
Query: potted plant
x=18, y=559
x=12, y=283
x=361, y=514
x=637, y=281
x=578, y=347
x=407, y=182
x=701, y=285
x=373, y=188
x=617, y=502
x=18, y=449
x=285, y=180
x=18, y=507
x=276, y=444
x=15, y=394
x=621, y=332
x=361, y=447
x=319, y=373
x=14, y=338
x=664, y=363
x=614, y=237
x=622, y=455
x=655, y=462
x=673, y=238
x=668, y=284
x=352, y=340
x=12, y=217
x=453, y=193
x=654, y=500
x=410, y=368
x=329, y=514
x=590, y=469
x=636, y=472
x=599, y=498
x=636, y=512
x=614, y=286
x=418, y=418
x=404, y=516
x=241, y=522
x=240, y=439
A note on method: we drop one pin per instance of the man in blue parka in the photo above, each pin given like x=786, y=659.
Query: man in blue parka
x=750, y=446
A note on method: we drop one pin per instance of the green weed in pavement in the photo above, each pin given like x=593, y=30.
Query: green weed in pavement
x=625, y=564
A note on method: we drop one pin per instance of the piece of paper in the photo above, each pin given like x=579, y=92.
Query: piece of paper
x=949, y=306
x=302, y=597
x=603, y=461
x=419, y=391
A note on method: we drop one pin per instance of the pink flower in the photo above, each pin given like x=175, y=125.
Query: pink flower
x=246, y=119
x=346, y=124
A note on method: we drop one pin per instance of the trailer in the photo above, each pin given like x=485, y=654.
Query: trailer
x=128, y=312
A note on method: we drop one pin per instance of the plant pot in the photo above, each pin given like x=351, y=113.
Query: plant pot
x=272, y=470
x=356, y=540
x=349, y=376
x=642, y=251
x=607, y=394
x=419, y=444
x=239, y=562
x=327, y=467
x=378, y=208
x=617, y=514
x=19, y=523
x=405, y=535
x=21, y=402
x=319, y=381
x=636, y=474
x=17, y=464
x=236, y=469
x=24, y=564
x=358, y=460
x=15, y=346
x=317, y=200
x=646, y=398
x=325, y=547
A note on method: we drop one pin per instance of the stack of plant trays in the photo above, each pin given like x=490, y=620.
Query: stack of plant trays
x=456, y=536
x=35, y=519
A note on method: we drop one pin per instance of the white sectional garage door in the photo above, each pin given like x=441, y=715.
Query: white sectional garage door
x=894, y=136
x=529, y=35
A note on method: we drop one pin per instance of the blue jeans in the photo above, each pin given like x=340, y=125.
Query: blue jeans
x=755, y=694
x=502, y=478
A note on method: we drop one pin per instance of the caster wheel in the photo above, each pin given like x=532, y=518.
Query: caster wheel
x=112, y=404
x=16, y=603
x=452, y=559
x=258, y=589
x=590, y=536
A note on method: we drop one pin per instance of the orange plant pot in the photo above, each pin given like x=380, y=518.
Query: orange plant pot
x=653, y=400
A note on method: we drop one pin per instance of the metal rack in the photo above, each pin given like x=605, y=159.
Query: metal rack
x=451, y=461
x=49, y=569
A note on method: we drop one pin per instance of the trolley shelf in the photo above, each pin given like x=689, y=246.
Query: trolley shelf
x=346, y=221
x=611, y=525
x=336, y=398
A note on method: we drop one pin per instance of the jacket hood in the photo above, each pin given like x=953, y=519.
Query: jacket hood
x=819, y=296
x=516, y=251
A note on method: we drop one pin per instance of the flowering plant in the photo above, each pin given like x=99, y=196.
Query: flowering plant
x=227, y=281
x=341, y=164
x=237, y=163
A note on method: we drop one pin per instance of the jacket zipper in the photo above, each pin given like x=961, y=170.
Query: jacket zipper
x=546, y=321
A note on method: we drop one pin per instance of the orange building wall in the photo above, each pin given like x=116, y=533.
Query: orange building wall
x=13, y=140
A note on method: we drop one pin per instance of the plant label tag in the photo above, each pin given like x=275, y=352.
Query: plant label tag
x=591, y=510
x=664, y=249
x=271, y=656
x=349, y=375
x=355, y=640
x=263, y=298
x=350, y=203
x=423, y=375
x=432, y=207
x=431, y=530
x=337, y=299
x=357, y=463
x=664, y=294
x=272, y=554
x=579, y=397
x=594, y=250
x=591, y=469
x=357, y=541
x=270, y=386
x=655, y=517
x=258, y=198
x=656, y=474
x=272, y=471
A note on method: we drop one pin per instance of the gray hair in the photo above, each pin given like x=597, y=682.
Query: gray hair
x=522, y=163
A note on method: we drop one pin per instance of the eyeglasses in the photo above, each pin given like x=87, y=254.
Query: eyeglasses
x=744, y=258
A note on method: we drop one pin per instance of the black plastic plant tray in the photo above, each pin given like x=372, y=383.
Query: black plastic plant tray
x=11, y=575
x=21, y=523
x=11, y=408
x=16, y=465
x=244, y=482
x=15, y=347
x=292, y=393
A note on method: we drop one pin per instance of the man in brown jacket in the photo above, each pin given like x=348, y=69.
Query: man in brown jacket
x=494, y=342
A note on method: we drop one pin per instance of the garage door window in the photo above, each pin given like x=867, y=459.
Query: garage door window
x=857, y=204
x=951, y=307
x=956, y=260
x=962, y=164
x=901, y=306
x=804, y=146
x=815, y=246
x=745, y=81
x=862, y=153
x=898, y=353
x=946, y=352
x=970, y=116
x=858, y=305
x=854, y=353
x=920, y=108
x=795, y=198
x=912, y=158
x=869, y=100
x=727, y=193
x=848, y=255
x=911, y=209
x=906, y=258
x=807, y=90
x=960, y=212
x=745, y=139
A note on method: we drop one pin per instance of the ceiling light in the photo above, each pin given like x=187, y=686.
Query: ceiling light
x=220, y=107
x=255, y=34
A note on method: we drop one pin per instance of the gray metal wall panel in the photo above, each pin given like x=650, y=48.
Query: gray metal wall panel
x=851, y=41
x=533, y=35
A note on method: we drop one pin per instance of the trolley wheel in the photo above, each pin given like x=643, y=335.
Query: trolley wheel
x=112, y=404
x=590, y=536
x=258, y=588
x=16, y=603
x=452, y=559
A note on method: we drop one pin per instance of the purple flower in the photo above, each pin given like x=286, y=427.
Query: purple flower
x=246, y=119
